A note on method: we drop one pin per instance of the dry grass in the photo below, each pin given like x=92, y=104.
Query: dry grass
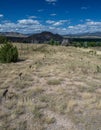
x=54, y=82
x=60, y=89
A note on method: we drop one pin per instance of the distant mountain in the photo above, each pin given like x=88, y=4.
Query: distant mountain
x=84, y=35
x=95, y=34
x=12, y=34
x=33, y=38
x=44, y=37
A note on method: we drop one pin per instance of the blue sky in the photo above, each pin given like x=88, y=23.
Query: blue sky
x=57, y=16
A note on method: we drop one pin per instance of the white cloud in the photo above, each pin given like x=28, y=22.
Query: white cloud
x=28, y=21
x=32, y=17
x=53, y=2
x=52, y=14
x=1, y=15
x=84, y=8
x=50, y=21
x=60, y=22
x=88, y=26
x=40, y=10
x=34, y=26
x=23, y=26
x=88, y=20
x=57, y=23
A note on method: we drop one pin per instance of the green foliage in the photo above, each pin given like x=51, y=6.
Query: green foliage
x=36, y=112
x=8, y=53
x=52, y=42
x=2, y=39
x=86, y=44
x=77, y=44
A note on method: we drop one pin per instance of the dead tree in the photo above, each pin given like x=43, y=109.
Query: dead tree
x=30, y=66
x=20, y=75
x=5, y=93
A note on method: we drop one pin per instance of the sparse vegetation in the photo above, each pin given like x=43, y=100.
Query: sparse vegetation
x=54, y=82
x=37, y=113
x=49, y=120
x=62, y=89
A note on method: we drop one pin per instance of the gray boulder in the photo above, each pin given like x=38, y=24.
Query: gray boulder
x=65, y=42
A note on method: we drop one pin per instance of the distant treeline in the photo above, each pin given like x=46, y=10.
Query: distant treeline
x=11, y=39
x=18, y=39
x=85, y=42
x=77, y=42
x=85, y=39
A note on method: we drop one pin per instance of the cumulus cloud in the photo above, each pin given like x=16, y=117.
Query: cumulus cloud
x=60, y=22
x=50, y=21
x=88, y=26
x=23, y=26
x=61, y=26
x=57, y=23
x=32, y=26
x=28, y=21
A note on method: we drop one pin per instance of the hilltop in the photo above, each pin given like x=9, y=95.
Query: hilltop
x=32, y=38
x=45, y=36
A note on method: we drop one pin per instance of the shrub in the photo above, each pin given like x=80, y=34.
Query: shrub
x=2, y=39
x=54, y=82
x=52, y=42
x=8, y=53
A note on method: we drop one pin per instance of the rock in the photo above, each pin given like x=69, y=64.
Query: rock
x=65, y=42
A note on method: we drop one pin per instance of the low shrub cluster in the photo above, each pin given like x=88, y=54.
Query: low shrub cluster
x=8, y=53
x=86, y=44
x=2, y=39
x=53, y=42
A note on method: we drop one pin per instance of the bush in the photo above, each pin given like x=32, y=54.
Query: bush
x=52, y=42
x=8, y=53
x=2, y=39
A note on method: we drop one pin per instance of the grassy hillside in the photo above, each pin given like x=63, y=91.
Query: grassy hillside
x=51, y=88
